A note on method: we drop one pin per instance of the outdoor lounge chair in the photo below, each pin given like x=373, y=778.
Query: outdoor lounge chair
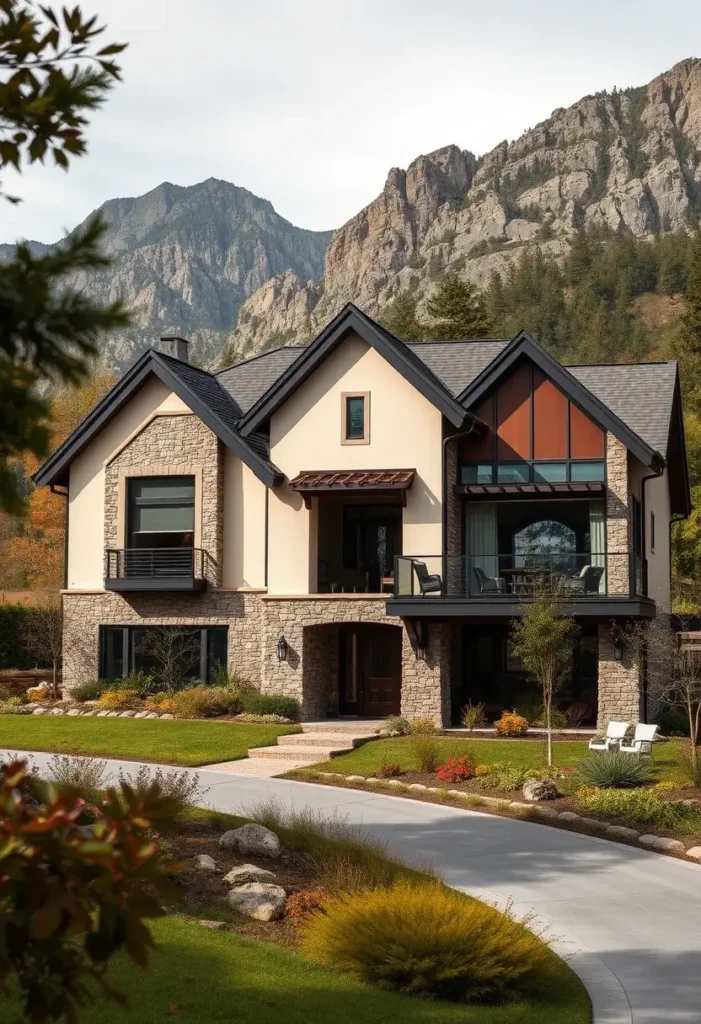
x=489, y=584
x=428, y=583
x=587, y=581
x=615, y=734
x=643, y=738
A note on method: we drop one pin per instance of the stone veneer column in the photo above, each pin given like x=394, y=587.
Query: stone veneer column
x=617, y=517
x=426, y=678
x=453, y=518
x=620, y=686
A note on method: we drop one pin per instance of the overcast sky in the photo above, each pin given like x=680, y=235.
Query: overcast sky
x=309, y=103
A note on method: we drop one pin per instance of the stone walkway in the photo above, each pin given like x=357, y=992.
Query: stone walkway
x=255, y=767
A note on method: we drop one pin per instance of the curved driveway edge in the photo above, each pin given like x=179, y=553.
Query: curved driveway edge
x=629, y=919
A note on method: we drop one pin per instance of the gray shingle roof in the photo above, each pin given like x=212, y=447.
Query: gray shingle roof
x=457, y=363
x=640, y=394
x=248, y=380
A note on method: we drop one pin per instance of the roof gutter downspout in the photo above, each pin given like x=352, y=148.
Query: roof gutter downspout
x=446, y=440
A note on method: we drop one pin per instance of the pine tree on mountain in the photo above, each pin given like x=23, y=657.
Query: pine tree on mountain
x=687, y=344
x=400, y=318
x=460, y=310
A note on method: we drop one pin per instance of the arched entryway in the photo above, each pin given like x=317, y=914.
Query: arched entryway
x=369, y=669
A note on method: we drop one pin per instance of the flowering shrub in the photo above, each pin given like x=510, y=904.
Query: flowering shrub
x=301, y=905
x=511, y=724
x=69, y=902
x=482, y=770
x=38, y=694
x=390, y=771
x=457, y=769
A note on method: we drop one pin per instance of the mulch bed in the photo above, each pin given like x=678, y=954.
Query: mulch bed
x=204, y=892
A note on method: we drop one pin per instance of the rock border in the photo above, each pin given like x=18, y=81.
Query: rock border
x=544, y=814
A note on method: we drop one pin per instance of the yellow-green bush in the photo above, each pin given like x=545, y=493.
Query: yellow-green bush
x=205, y=702
x=430, y=941
x=120, y=700
x=511, y=724
x=423, y=727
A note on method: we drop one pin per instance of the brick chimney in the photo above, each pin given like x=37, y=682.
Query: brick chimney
x=175, y=347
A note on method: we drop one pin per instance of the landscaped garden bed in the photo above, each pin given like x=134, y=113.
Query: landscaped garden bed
x=309, y=958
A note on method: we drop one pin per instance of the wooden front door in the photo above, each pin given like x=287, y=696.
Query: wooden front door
x=371, y=670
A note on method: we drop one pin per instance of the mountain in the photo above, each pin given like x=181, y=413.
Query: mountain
x=186, y=258
x=628, y=160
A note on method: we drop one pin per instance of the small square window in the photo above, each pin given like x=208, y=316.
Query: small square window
x=355, y=419
x=586, y=471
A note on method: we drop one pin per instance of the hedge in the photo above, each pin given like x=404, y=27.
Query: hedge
x=13, y=653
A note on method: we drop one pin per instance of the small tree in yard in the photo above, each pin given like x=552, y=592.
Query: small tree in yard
x=543, y=639
x=674, y=674
x=42, y=634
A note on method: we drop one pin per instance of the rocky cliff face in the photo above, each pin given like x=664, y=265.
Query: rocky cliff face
x=630, y=160
x=185, y=259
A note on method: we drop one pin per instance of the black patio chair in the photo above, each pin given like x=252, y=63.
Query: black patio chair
x=489, y=584
x=428, y=583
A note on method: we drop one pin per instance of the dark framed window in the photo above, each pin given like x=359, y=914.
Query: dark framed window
x=581, y=472
x=513, y=473
x=550, y=472
x=199, y=650
x=570, y=471
x=356, y=427
x=161, y=512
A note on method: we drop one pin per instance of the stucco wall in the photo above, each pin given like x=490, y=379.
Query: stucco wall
x=86, y=501
x=244, y=525
x=305, y=434
x=657, y=502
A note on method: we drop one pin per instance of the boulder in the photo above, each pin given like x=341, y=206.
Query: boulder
x=167, y=715
x=248, y=873
x=73, y=712
x=141, y=714
x=127, y=714
x=622, y=832
x=260, y=900
x=203, y=862
x=39, y=711
x=694, y=853
x=102, y=714
x=252, y=840
x=535, y=790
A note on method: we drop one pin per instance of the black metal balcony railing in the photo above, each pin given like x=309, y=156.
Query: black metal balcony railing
x=517, y=577
x=159, y=564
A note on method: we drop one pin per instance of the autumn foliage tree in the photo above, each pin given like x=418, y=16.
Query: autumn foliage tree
x=32, y=546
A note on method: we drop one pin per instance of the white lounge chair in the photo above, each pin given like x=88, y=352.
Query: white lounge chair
x=615, y=734
x=643, y=738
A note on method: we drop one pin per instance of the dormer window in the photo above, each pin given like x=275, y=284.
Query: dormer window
x=355, y=413
x=161, y=512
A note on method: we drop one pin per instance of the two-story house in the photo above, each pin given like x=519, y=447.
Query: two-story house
x=356, y=523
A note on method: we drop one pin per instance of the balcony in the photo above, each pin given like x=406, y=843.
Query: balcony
x=169, y=569
x=502, y=585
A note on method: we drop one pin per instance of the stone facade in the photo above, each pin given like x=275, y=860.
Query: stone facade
x=168, y=445
x=85, y=613
x=617, y=517
x=453, y=520
x=620, y=682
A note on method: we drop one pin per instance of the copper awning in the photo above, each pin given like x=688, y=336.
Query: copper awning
x=368, y=482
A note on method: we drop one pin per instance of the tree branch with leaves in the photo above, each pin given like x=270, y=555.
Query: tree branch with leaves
x=51, y=76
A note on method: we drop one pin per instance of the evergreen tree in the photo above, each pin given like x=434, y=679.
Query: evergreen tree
x=460, y=310
x=687, y=344
x=400, y=318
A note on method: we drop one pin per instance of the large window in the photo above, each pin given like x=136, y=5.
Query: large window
x=161, y=512
x=571, y=471
x=172, y=654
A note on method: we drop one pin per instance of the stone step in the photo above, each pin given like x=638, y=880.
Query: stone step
x=336, y=726
x=323, y=739
x=309, y=754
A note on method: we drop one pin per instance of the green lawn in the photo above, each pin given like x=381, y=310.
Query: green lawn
x=170, y=742
x=369, y=758
x=200, y=976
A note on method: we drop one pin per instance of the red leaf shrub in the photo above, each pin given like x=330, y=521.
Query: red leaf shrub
x=390, y=771
x=71, y=897
x=457, y=769
x=300, y=905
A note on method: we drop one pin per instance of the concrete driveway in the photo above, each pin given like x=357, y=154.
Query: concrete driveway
x=631, y=919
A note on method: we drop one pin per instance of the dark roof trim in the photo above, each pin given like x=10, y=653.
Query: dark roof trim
x=55, y=469
x=524, y=344
x=397, y=354
x=678, y=467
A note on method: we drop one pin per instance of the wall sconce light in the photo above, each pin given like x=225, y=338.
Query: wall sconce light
x=282, y=648
x=617, y=637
